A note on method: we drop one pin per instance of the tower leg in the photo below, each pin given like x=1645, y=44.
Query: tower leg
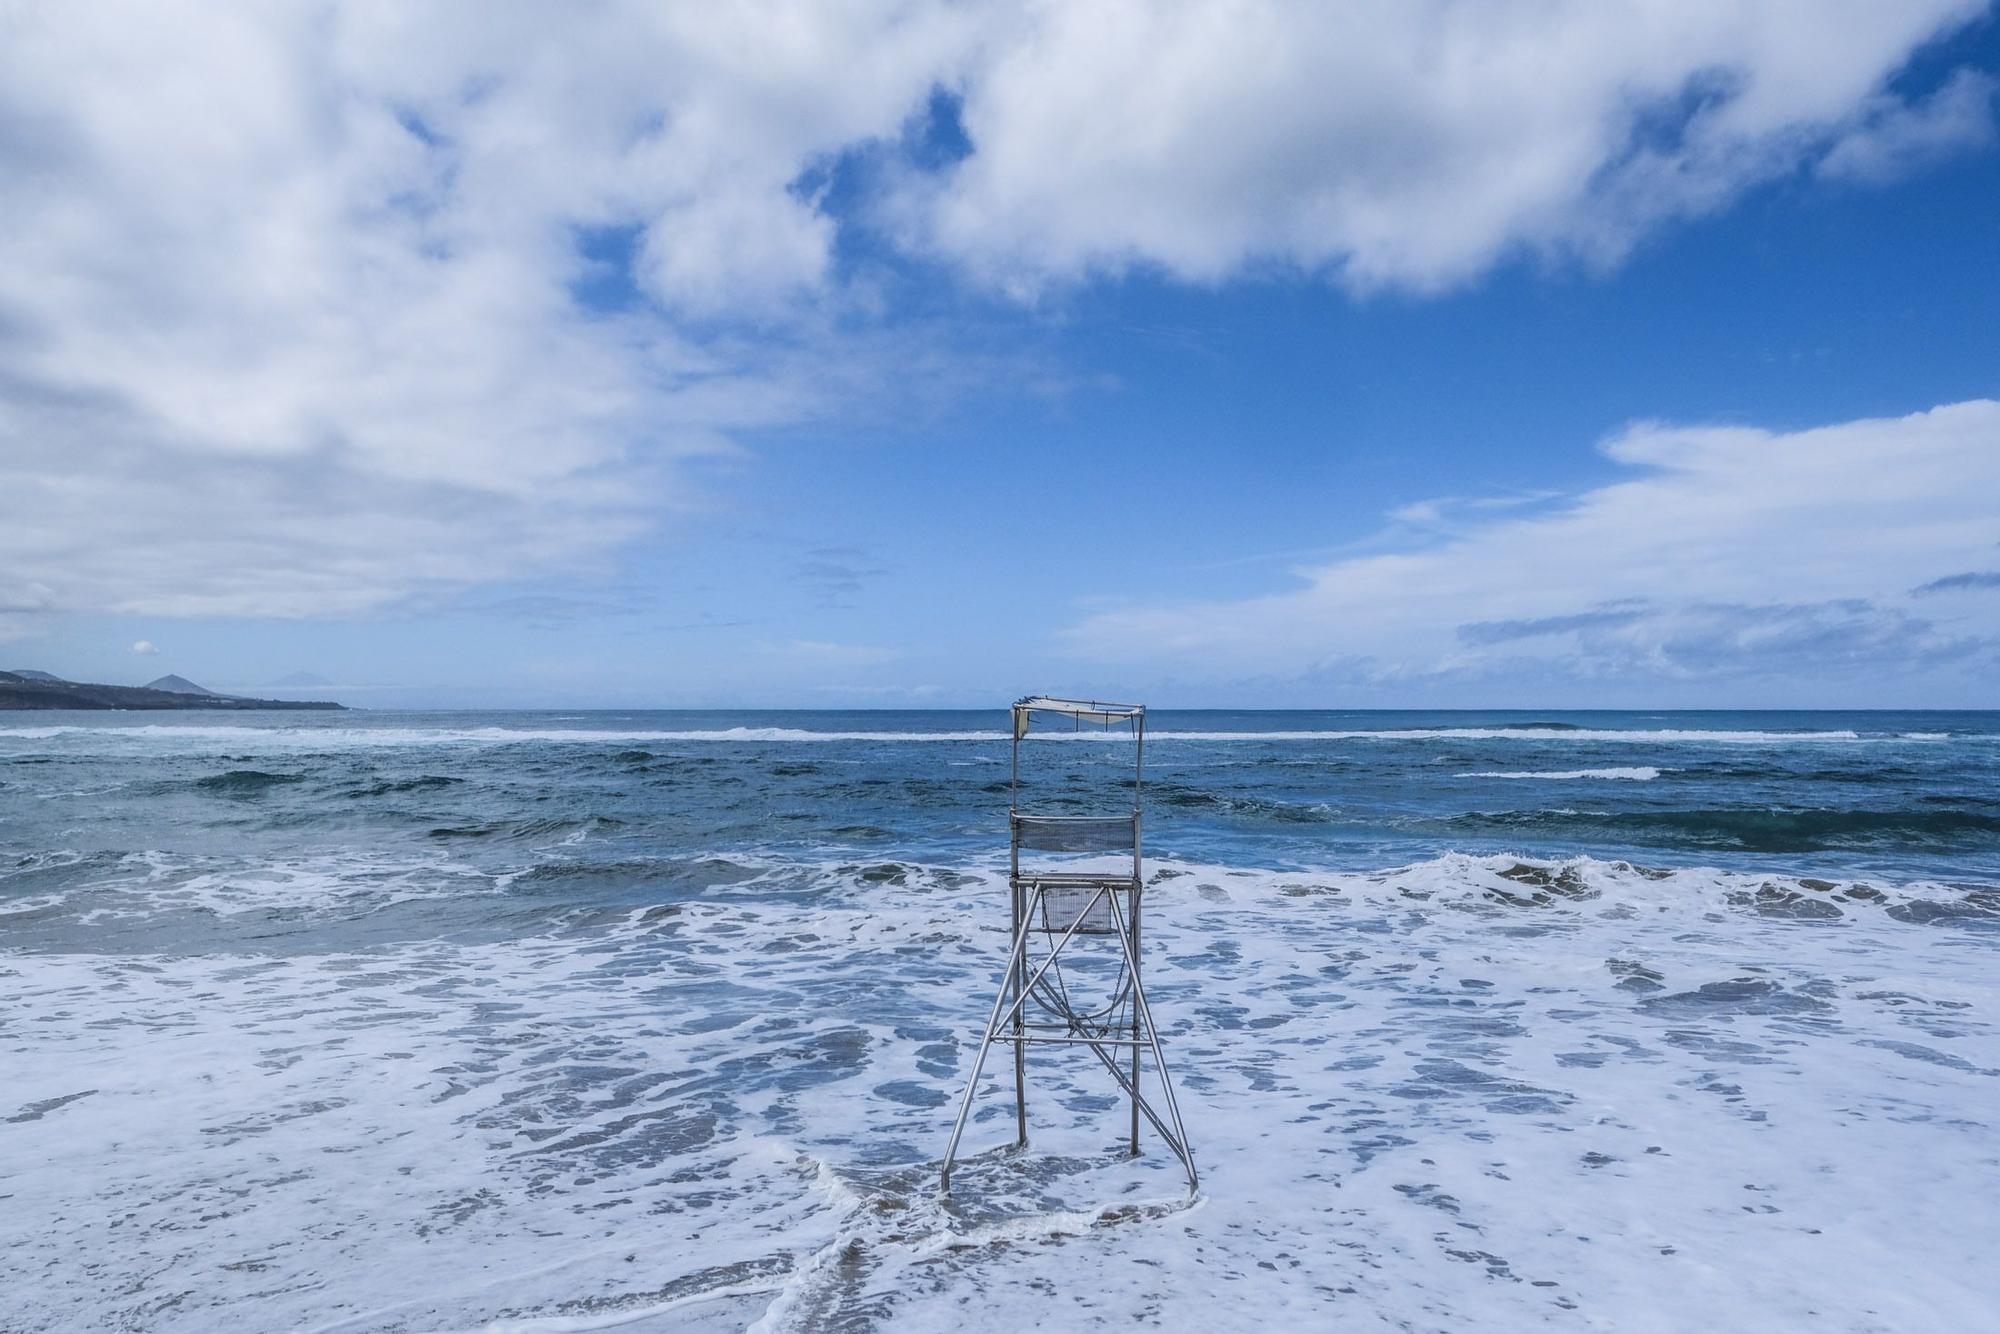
x=1133, y=960
x=979, y=1062
x=1145, y=1015
x=1135, y=1083
x=1020, y=980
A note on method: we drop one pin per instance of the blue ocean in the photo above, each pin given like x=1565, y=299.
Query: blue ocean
x=657, y=1020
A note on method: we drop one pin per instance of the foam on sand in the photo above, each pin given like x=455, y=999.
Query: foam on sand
x=1471, y=1092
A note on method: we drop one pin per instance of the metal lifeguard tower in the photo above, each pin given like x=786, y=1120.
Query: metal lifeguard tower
x=1057, y=904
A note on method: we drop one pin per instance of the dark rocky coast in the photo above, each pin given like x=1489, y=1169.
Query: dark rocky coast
x=40, y=691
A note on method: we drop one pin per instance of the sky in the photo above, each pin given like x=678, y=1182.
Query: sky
x=1571, y=353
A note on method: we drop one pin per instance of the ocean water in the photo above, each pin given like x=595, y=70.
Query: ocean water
x=556, y=1022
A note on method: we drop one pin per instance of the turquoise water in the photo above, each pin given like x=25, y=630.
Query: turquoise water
x=657, y=1015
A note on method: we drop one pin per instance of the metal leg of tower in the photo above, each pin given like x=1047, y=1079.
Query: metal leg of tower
x=1019, y=975
x=985, y=1043
x=1145, y=1013
x=1132, y=961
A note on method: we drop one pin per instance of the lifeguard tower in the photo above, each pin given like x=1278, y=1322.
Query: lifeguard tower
x=1065, y=888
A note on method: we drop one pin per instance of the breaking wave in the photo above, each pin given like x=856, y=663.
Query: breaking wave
x=1643, y=773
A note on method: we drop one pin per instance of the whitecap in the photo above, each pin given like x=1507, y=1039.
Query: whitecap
x=1637, y=774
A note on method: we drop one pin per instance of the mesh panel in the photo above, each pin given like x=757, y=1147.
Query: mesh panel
x=1058, y=833
x=1063, y=905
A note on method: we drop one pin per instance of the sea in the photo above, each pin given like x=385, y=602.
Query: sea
x=659, y=1020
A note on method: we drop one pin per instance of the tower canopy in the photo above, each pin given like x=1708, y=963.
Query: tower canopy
x=1082, y=710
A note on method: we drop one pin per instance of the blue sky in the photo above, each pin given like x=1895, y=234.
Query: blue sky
x=1483, y=358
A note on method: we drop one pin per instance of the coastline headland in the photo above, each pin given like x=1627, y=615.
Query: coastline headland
x=19, y=690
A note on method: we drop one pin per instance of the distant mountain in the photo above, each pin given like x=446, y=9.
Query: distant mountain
x=39, y=690
x=37, y=676
x=179, y=685
x=299, y=681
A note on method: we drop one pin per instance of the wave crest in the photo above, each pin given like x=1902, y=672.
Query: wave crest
x=1643, y=773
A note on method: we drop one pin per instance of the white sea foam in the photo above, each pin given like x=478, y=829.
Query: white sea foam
x=345, y=884
x=1471, y=1092
x=1533, y=735
x=334, y=738
x=1642, y=773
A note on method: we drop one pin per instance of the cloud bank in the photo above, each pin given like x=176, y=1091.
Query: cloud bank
x=1731, y=554
x=1414, y=145
x=308, y=309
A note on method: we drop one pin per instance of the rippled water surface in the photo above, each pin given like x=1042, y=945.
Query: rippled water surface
x=569, y=1021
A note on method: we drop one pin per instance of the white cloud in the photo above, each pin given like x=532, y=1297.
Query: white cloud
x=1900, y=137
x=288, y=323
x=286, y=315
x=145, y=648
x=1407, y=145
x=1733, y=552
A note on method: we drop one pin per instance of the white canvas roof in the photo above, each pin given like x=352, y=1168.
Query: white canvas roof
x=1085, y=710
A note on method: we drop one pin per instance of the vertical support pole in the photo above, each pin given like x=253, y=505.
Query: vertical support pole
x=1135, y=1077
x=1138, y=783
x=1132, y=961
x=1139, y=763
x=1019, y=972
x=1137, y=1011
x=1129, y=941
x=1018, y=985
x=979, y=1063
